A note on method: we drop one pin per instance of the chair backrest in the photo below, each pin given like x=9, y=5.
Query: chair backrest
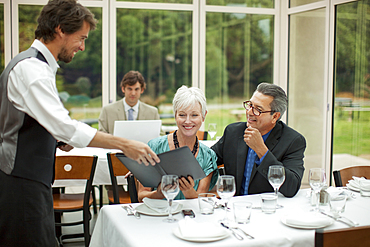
x=355, y=236
x=202, y=135
x=341, y=177
x=77, y=167
x=116, y=168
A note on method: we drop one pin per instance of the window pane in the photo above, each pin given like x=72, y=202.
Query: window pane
x=2, y=57
x=160, y=1
x=239, y=56
x=80, y=82
x=159, y=45
x=243, y=3
x=295, y=3
x=351, y=139
x=306, y=83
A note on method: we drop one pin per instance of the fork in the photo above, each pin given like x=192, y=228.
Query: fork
x=237, y=228
x=133, y=210
x=130, y=211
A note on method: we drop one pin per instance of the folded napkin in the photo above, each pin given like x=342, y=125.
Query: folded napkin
x=159, y=206
x=355, y=182
x=307, y=220
x=191, y=229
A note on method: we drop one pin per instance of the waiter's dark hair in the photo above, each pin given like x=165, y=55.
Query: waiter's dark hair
x=280, y=101
x=68, y=14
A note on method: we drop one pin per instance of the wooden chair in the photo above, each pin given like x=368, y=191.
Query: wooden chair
x=202, y=135
x=116, y=194
x=355, y=236
x=341, y=177
x=74, y=167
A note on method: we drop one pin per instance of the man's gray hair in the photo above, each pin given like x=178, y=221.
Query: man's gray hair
x=280, y=101
x=189, y=96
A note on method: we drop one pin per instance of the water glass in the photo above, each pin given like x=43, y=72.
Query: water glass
x=365, y=187
x=242, y=212
x=337, y=204
x=268, y=203
x=206, y=203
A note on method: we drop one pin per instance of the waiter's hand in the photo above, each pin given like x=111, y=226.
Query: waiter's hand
x=140, y=152
x=66, y=147
x=254, y=140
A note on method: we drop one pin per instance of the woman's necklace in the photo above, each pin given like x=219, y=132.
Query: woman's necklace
x=176, y=143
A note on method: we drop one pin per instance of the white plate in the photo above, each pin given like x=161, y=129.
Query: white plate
x=143, y=209
x=177, y=233
x=283, y=219
x=351, y=187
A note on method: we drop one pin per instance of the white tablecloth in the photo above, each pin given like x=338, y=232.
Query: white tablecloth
x=114, y=228
x=101, y=177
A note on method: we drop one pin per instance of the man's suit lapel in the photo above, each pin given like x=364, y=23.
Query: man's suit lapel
x=240, y=162
x=142, y=113
x=120, y=111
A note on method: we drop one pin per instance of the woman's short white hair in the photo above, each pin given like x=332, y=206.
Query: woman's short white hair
x=189, y=96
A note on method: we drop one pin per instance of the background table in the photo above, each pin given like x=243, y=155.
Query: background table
x=114, y=228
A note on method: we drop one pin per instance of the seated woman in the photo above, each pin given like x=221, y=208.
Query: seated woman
x=189, y=106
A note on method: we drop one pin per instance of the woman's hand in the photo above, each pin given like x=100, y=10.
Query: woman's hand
x=187, y=187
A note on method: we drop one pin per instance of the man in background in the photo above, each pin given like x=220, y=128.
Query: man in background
x=32, y=119
x=248, y=149
x=130, y=107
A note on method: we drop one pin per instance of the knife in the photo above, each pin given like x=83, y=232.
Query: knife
x=233, y=232
x=340, y=219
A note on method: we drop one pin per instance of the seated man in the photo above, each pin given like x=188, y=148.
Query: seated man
x=247, y=149
x=130, y=107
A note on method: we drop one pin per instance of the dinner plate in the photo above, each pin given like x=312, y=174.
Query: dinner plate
x=283, y=219
x=351, y=187
x=143, y=209
x=177, y=233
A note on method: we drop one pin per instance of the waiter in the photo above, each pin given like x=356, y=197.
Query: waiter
x=32, y=119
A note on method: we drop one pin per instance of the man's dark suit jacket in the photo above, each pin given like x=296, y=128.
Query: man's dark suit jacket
x=286, y=147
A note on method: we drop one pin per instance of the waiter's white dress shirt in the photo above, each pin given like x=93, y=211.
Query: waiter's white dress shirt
x=32, y=89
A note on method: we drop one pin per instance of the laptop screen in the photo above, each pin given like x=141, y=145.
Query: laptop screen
x=139, y=130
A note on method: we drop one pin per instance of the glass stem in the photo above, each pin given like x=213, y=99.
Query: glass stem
x=170, y=209
x=317, y=200
x=225, y=218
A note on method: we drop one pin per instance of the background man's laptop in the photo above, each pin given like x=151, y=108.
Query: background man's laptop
x=140, y=130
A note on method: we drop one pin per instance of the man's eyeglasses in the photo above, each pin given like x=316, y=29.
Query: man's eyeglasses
x=248, y=105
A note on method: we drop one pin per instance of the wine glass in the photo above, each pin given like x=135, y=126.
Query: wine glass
x=317, y=180
x=226, y=190
x=170, y=189
x=276, y=177
x=212, y=130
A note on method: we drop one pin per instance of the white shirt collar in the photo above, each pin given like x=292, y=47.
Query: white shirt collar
x=135, y=107
x=47, y=54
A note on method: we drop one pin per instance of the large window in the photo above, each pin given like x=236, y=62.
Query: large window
x=159, y=45
x=351, y=138
x=239, y=55
x=79, y=83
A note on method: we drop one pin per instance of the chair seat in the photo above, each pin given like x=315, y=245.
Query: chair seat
x=69, y=201
x=124, y=196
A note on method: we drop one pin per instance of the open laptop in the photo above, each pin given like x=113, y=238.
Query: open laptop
x=139, y=130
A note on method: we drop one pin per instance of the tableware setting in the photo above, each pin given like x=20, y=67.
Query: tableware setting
x=354, y=183
x=170, y=189
x=276, y=177
x=317, y=180
x=207, y=202
x=365, y=187
x=306, y=220
x=157, y=207
x=190, y=230
x=242, y=212
x=268, y=202
x=226, y=190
